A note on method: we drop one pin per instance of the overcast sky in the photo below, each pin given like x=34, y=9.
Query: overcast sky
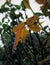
x=34, y=5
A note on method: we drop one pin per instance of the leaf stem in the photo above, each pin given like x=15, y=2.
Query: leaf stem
x=30, y=7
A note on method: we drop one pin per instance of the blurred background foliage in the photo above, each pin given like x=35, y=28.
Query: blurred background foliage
x=36, y=48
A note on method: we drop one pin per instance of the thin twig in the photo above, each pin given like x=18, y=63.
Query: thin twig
x=43, y=61
x=45, y=42
x=30, y=7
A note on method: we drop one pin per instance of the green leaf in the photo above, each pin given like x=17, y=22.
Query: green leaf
x=4, y=10
x=17, y=6
x=48, y=1
x=13, y=15
x=7, y=3
x=13, y=9
x=6, y=27
x=48, y=43
x=0, y=30
x=44, y=10
x=22, y=4
x=7, y=37
x=0, y=23
x=39, y=13
x=3, y=19
x=45, y=27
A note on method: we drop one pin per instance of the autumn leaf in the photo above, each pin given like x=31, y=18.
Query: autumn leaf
x=42, y=7
x=18, y=27
x=41, y=1
x=45, y=8
x=21, y=33
x=24, y=33
x=48, y=5
x=35, y=28
x=33, y=23
x=48, y=14
x=17, y=36
x=26, y=4
x=32, y=20
x=49, y=33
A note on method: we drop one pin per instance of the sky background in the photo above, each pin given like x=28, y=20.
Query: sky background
x=34, y=5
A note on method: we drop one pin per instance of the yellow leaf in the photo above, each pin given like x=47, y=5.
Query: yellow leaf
x=17, y=37
x=32, y=20
x=21, y=33
x=35, y=28
x=32, y=23
x=16, y=28
x=24, y=34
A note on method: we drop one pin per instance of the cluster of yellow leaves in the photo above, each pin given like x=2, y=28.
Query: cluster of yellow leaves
x=21, y=32
x=46, y=4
